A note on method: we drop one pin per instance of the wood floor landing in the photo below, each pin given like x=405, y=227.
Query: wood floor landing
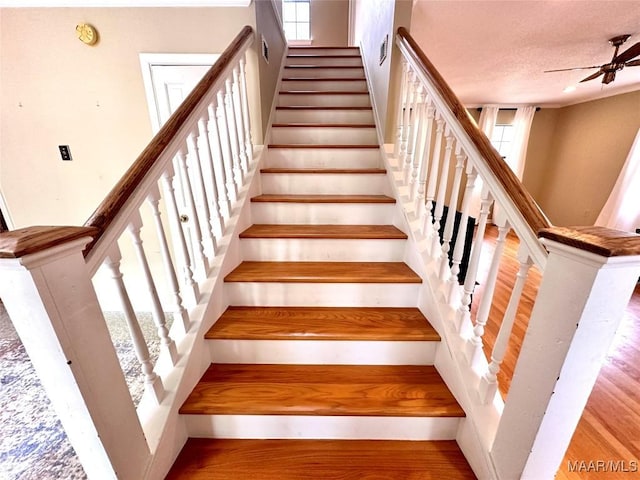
x=323, y=272
x=323, y=198
x=333, y=390
x=205, y=459
x=374, y=232
x=322, y=323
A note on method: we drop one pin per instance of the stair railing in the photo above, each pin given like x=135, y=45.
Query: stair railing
x=588, y=276
x=179, y=196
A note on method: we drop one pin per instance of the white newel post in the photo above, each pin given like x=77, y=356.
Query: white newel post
x=589, y=277
x=47, y=290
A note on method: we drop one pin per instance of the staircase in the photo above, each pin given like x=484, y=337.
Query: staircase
x=323, y=366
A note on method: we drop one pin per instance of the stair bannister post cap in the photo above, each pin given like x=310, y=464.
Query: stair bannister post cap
x=24, y=241
x=602, y=241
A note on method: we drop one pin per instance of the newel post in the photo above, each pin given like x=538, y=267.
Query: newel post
x=589, y=277
x=46, y=288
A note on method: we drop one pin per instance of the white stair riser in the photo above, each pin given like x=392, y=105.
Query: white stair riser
x=324, y=85
x=323, y=213
x=272, y=294
x=323, y=158
x=322, y=352
x=325, y=72
x=343, y=61
x=322, y=250
x=324, y=116
x=324, y=183
x=323, y=100
x=321, y=427
x=323, y=51
x=324, y=135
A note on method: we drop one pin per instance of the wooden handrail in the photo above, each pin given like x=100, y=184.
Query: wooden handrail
x=120, y=193
x=523, y=200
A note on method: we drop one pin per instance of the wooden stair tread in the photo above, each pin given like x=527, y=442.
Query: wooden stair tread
x=323, y=272
x=324, y=79
x=327, y=146
x=322, y=92
x=323, y=323
x=323, y=198
x=322, y=125
x=315, y=107
x=332, y=390
x=224, y=459
x=320, y=55
x=324, y=231
x=368, y=171
x=324, y=66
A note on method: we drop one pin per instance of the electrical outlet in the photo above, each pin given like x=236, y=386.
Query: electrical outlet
x=65, y=152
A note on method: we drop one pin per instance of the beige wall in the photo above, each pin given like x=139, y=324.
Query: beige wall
x=267, y=25
x=56, y=90
x=576, y=153
x=374, y=20
x=329, y=23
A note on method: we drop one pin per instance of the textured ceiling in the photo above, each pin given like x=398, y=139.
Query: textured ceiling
x=495, y=52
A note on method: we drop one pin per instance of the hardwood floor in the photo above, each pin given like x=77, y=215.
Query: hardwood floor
x=609, y=429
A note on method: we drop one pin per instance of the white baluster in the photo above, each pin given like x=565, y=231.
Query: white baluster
x=458, y=249
x=482, y=315
x=134, y=227
x=237, y=110
x=419, y=206
x=433, y=171
x=152, y=382
x=201, y=262
x=245, y=108
x=190, y=290
x=154, y=199
x=225, y=195
x=206, y=156
x=194, y=162
x=234, y=179
x=418, y=141
x=402, y=106
x=461, y=158
x=464, y=312
x=436, y=248
x=409, y=116
x=413, y=127
x=232, y=131
x=489, y=382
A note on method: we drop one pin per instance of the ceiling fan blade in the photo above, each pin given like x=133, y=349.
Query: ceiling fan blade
x=592, y=76
x=628, y=54
x=609, y=77
x=633, y=63
x=567, y=69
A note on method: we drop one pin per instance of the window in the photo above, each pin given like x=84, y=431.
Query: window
x=295, y=19
x=501, y=139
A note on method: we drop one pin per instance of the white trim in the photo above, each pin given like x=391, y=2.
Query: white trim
x=148, y=60
x=352, y=23
x=125, y=3
x=5, y=212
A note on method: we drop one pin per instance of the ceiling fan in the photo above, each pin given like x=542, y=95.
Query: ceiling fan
x=617, y=63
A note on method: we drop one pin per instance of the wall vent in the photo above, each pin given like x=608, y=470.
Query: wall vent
x=384, y=47
x=265, y=50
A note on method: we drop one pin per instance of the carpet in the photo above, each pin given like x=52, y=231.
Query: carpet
x=33, y=444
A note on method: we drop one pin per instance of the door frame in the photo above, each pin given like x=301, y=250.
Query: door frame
x=149, y=60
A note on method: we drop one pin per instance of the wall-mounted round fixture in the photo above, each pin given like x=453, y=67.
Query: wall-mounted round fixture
x=87, y=33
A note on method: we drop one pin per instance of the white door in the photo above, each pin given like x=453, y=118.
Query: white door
x=169, y=78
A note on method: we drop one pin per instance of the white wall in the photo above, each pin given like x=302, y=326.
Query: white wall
x=56, y=90
x=374, y=20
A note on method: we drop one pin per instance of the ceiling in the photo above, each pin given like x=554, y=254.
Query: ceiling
x=495, y=52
